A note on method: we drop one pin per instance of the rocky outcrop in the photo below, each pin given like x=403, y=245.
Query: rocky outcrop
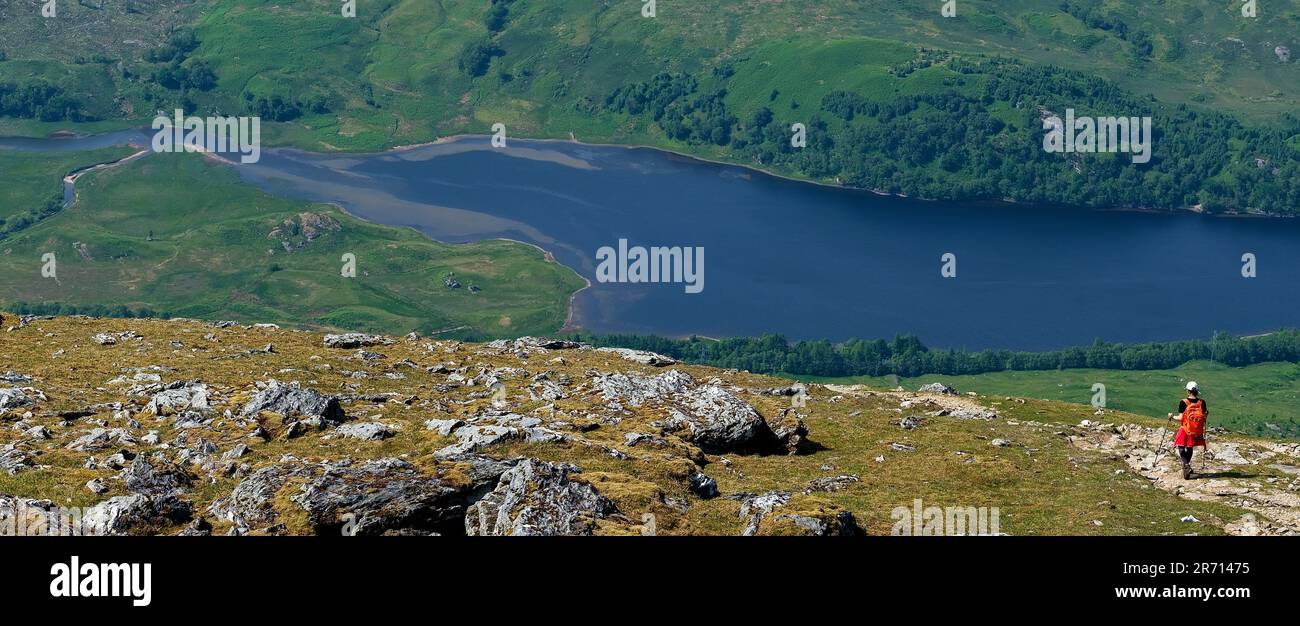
x=354, y=340
x=383, y=496
x=640, y=356
x=539, y=498
x=769, y=513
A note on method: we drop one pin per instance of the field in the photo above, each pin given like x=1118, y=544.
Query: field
x=182, y=236
x=1258, y=399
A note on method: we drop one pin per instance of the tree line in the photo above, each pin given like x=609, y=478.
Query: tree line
x=907, y=356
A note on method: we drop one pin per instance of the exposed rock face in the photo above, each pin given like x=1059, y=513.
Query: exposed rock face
x=538, y=498
x=370, y=498
x=294, y=401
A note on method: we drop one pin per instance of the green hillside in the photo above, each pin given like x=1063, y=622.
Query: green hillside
x=944, y=107
x=181, y=236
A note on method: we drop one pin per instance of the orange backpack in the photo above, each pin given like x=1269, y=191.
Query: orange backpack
x=1194, y=418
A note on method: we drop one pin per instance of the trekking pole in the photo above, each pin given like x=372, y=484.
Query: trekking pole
x=1161, y=448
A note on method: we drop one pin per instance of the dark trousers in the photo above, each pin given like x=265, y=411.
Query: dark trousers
x=1186, y=453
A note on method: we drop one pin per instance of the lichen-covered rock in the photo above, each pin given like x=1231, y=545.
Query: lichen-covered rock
x=191, y=396
x=789, y=430
x=640, y=356
x=162, y=483
x=475, y=438
x=13, y=397
x=538, y=498
x=365, y=431
x=938, y=388
x=717, y=421
x=293, y=400
x=354, y=340
x=373, y=497
x=102, y=438
x=637, y=390
x=14, y=459
x=772, y=513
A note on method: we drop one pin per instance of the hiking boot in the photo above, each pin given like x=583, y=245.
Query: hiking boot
x=1187, y=471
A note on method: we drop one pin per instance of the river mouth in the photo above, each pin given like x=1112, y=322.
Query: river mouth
x=808, y=261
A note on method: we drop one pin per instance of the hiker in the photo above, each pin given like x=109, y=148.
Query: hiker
x=1193, y=411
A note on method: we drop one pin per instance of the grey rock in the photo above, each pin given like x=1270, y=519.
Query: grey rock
x=366, y=431
x=190, y=397
x=13, y=459
x=538, y=498
x=703, y=485
x=640, y=356
x=939, y=388
x=102, y=438
x=832, y=483
x=353, y=340
x=718, y=421
x=13, y=397
x=444, y=427
x=294, y=401
x=118, y=515
x=162, y=484
x=475, y=438
x=637, y=390
x=96, y=485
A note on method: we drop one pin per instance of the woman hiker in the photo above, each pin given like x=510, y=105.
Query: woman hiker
x=1193, y=411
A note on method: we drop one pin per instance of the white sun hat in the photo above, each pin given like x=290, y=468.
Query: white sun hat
x=1191, y=385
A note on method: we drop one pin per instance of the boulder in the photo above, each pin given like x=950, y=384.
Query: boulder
x=717, y=421
x=939, y=388
x=192, y=396
x=13, y=397
x=292, y=401
x=365, y=431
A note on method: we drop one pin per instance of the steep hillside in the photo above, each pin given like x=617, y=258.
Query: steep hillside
x=192, y=427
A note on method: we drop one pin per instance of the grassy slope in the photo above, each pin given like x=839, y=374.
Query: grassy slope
x=1042, y=485
x=559, y=54
x=211, y=257
x=1252, y=399
x=32, y=178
